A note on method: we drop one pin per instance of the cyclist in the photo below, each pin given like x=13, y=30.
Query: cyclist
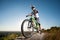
x=35, y=13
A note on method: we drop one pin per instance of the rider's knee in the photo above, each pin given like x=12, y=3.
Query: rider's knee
x=39, y=24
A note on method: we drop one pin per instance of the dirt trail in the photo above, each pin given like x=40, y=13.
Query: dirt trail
x=36, y=36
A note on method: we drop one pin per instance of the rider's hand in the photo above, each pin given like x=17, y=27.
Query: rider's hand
x=26, y=15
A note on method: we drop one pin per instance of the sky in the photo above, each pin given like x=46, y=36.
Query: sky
x=13, y=12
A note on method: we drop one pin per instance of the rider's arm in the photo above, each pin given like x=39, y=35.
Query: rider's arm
x=30, y=14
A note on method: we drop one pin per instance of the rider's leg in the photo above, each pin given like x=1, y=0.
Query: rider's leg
x=39, y=28
x=32, y=24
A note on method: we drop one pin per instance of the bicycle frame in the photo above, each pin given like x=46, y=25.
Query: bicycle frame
x=36, y=25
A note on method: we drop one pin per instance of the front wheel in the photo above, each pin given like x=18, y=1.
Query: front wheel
x=26, y=31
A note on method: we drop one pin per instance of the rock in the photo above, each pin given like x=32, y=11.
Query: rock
x=36, y=36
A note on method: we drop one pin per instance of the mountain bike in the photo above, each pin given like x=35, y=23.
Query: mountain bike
x=27, y=28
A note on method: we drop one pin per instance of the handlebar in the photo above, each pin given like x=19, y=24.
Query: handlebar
x=28, y=15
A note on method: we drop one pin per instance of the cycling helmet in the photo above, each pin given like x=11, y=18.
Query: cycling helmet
x=32, y=7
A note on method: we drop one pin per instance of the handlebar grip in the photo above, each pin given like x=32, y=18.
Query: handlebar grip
x=26, y=15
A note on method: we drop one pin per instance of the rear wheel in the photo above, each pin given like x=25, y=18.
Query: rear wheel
x=26, y=28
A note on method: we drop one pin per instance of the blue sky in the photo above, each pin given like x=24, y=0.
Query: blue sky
x=13, y=12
